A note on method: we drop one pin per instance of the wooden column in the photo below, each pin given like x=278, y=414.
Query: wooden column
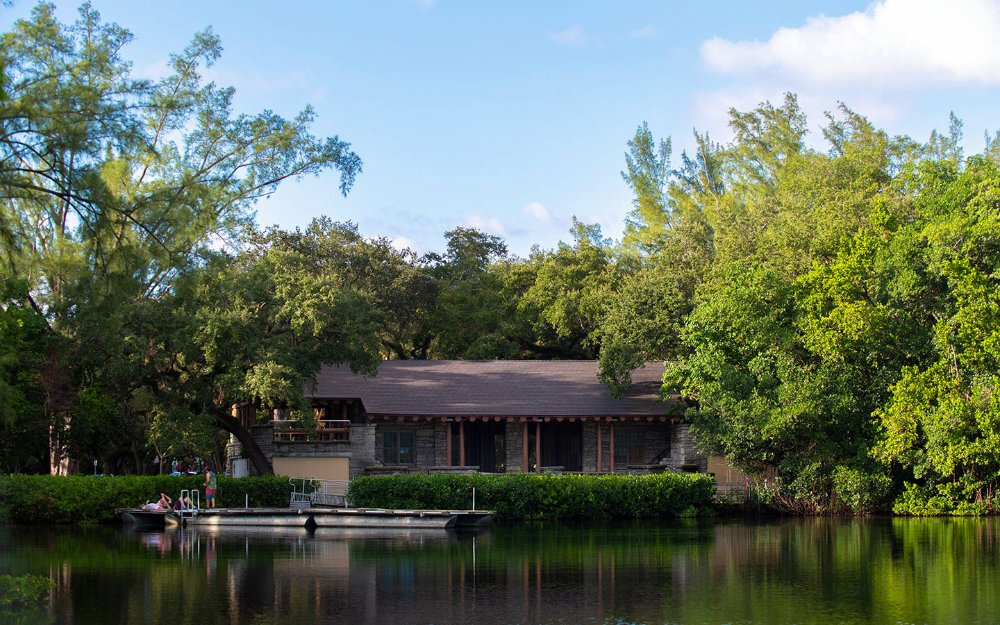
x=461, y=443
x=600, y=458
x=538, y=446
x=612, y=446
x=524, y=446
x=447, y=443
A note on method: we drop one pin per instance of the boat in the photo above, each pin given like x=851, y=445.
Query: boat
x=142, y=518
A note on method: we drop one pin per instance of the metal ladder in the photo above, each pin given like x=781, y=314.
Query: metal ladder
x=188, y=513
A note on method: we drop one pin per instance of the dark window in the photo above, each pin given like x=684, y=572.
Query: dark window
x=629, y=447
x=397, y=448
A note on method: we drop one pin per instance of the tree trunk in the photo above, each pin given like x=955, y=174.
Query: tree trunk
x=250, y=447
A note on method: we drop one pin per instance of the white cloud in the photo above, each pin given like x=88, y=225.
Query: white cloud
x=425, y=5
x=903, y=43
x=574, y=36
x=492, y=225
x=645, y=32
x=403, y=243
x=538, y=211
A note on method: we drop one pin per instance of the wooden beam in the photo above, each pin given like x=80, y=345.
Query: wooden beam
x=538, y=447
x=600, y=459
x=524, y=445
x=461, y=443
x=612, y=451
x=447, y=443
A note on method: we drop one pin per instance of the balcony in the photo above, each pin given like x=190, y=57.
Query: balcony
x=327, y=431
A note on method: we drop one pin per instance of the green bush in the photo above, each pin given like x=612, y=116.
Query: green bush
x=924, y=500
x=532, y=496
x=23, y=591
x=86, y=499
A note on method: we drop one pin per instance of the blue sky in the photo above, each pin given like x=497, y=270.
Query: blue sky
x=513, y=117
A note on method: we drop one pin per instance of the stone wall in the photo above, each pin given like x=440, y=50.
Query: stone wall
x=683, y=452
x=514, y=431
x=362, y=447
x=365, y=446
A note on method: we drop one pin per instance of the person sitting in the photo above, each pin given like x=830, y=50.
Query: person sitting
x=183, y=503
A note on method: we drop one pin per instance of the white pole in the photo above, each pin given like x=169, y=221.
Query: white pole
x=473, y=497
x=246, y=500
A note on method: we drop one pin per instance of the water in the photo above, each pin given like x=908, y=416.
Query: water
x=785, y=571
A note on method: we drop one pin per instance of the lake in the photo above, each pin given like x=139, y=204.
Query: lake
x=770, y=571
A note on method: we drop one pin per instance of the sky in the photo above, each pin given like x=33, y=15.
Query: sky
x=513, y=117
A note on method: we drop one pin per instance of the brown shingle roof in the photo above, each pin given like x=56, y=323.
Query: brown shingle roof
x=494, y=387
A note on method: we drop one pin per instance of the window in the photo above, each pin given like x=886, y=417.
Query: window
x=397, y=448
x=629, y=447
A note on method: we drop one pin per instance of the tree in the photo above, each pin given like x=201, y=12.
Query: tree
x=941, y=424
x=112, y=188
x=254, y=330
x=397, y=282
x=569, y=290
x=469, y=316
x=800, y=324
x=647, y=171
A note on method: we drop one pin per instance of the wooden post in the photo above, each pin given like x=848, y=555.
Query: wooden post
x=612, y=451
x=524, y=445
x=461, y=443
x=447, y=443
x=538, y=446
x=600, y=459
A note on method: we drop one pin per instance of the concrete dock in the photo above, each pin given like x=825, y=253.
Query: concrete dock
x=334, y=518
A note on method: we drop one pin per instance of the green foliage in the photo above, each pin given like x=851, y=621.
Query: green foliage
x=113, y=190
x=23, y=591
x=84, y=499
x=530, y=496
x=647, y=172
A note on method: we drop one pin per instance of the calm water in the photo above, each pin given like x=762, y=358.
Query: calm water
x=787, y=571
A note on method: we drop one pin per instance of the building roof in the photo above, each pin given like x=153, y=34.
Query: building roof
x=494, y=388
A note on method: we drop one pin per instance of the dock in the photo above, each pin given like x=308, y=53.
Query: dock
x=312, y=518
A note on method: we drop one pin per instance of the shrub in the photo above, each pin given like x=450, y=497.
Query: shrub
x=23, y=591
x=86, y=499
x=533, y=496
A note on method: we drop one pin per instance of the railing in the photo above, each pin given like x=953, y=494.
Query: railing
x=731, y=492
x=312, y=493
x=326, y=430
x=194, y=497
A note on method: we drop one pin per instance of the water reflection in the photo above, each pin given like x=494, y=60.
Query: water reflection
x=789, y=571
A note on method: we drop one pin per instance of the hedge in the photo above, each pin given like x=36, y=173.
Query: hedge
x=531, y=496
x=88, y=499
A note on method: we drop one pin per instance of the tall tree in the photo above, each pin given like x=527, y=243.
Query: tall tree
x=254, y=330
x=112, y=187
x=647, y=171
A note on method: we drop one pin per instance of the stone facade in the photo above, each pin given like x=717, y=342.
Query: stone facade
x=649, y=447
x=684, y=453
x=362, y=447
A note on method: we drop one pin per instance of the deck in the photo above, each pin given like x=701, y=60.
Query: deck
x=311, y=518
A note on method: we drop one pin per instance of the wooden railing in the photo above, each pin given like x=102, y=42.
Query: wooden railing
x=327, y=430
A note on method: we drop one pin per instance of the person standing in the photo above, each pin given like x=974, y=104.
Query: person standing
x=210, y=488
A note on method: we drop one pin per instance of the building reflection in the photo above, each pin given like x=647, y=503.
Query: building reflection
x=814, y=570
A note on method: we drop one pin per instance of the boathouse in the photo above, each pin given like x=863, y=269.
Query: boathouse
x=488, y=416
